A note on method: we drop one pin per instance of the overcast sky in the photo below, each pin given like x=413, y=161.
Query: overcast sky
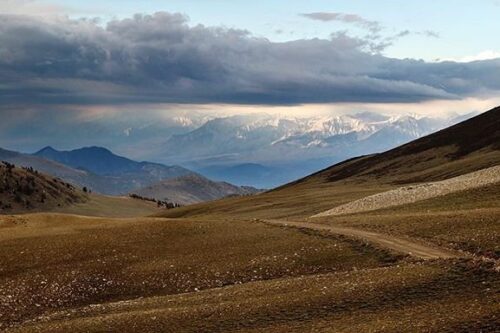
x=73, y=61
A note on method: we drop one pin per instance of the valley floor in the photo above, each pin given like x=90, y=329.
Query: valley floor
x=70, y=273
x=426, y=266
x=269, y=263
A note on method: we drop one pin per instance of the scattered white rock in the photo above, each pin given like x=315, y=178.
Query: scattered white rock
x=414, y=193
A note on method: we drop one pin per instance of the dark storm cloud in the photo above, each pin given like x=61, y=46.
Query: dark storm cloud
x=160, y=58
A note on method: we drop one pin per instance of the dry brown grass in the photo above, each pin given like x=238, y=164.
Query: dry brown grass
x=300, y=201
x=439, y=297
x=53, y=262
x=468, y=220
x=109, y=206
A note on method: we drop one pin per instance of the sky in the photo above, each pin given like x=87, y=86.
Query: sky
x=63, y=62
x=445, y=29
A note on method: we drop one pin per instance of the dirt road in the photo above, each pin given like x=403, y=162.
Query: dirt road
x=402, y=245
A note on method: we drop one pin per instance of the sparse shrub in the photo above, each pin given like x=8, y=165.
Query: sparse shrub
x=17, y=198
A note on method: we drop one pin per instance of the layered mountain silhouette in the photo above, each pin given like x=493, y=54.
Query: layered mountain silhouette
x=103, y=172
x=287, y=148
x=103, y=162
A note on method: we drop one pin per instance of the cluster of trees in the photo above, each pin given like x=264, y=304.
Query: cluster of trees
x=30, y=170
x=17, y=187
x=8, y=166
x=160, y=203
x=21, y=188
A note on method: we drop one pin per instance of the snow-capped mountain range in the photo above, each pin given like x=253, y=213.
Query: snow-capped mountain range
x=273, y=149
x=270, y=138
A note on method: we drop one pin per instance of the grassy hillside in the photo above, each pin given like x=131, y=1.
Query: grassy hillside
x=78, y=274
x=467, y=220
x=25, y=189
x=409, y=298
x=192, y=189
x=460, y=149
x=110, y=206
x=469, y=146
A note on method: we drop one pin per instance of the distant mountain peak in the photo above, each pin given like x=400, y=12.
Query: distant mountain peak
x=94, y=149
x=111, y=173
x=47, y=149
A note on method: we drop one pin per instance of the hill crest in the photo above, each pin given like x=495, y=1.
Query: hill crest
x=193, y=188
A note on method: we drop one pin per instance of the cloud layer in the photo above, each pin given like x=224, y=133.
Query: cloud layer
x=372, y=26
x=162, y=59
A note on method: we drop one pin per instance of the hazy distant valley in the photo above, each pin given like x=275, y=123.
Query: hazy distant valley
x=267, y=151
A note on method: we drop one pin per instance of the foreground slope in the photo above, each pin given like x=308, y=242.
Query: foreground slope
x=53, y=262
x=409, y=298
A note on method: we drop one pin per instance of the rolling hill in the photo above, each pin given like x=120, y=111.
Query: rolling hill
x=192, y=189
x=27, y=190
x=77, y=177
x=121, y=176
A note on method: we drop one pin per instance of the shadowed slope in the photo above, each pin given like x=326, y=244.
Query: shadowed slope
x=23, y=189
x=469, y=146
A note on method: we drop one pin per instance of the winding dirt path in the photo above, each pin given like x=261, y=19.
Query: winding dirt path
x=402, y=245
